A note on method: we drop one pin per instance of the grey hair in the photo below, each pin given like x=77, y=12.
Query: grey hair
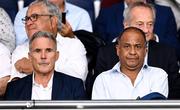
x=52, y=9
x=127, y=11
x=42, y=34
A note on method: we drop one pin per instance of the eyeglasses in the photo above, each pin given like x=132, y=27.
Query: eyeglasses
x=33, y=17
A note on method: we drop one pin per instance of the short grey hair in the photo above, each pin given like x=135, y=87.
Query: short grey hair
x=43, y=34
x=52, y=9
x=127, y=11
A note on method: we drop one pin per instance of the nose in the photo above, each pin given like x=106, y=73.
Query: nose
x=145, y=29
x=43, y=55
x=28, y=22
x=132, y=51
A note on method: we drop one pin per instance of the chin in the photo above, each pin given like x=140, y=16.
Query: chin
x=31, y=32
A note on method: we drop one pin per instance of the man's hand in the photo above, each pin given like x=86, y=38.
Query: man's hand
x=66, y=30
x=24, y=66
x=3, y=84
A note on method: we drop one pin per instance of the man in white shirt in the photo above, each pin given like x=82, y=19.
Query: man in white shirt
x=72, y=59
x=76, y=19
x=130, y=78
x=5, y=67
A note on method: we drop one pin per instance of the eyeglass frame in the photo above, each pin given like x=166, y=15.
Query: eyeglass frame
x=34, y=17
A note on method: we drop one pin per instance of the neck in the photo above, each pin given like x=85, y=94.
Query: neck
x=42, y=79
x=131, y=73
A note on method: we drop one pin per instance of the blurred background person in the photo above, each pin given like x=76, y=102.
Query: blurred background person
x=7, y=35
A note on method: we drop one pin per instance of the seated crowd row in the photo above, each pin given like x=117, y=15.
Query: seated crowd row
x=50, y=62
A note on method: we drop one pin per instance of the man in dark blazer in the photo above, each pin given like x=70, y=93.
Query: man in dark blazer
x=109, y=24
x=45, y=83
x=159, y=55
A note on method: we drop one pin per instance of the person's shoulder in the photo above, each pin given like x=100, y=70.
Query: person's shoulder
x=154, y=71
x=162, y=8
x=21, y=81
x=2, y=10
x=65, y=77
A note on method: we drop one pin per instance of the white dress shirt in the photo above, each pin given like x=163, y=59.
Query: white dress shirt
x=72, y=58
x=42, y=93
x=77, y=17
x=113, y=84
x=5, y=61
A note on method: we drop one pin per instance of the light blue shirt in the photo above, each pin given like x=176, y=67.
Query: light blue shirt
x=113, y=84
x=77, y=17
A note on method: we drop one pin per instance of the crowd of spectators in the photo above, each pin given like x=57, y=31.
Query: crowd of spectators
x=45, y=49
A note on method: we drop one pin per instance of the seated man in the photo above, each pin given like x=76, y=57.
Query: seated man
x=45, y=83
x=74, y=21
x=5, y=67
x=131, y=77
x=72, y=59
x=139, y=15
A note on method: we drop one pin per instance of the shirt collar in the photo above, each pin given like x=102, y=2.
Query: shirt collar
x=116, y=68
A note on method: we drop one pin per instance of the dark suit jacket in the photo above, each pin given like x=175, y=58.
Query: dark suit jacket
x=158, y=56
x=109, y=24
x=64, y=88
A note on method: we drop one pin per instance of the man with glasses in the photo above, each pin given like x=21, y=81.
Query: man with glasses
x=45, y=16
x=76, y=19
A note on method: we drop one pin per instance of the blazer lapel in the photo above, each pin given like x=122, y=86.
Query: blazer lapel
x=27, y=91
x=57, y=87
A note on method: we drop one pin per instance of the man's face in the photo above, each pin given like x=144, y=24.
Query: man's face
x=131, y=50
x=43, y=23
x=142, y=18
x=43, y=55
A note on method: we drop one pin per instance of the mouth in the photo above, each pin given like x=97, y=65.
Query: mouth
x=43, y=64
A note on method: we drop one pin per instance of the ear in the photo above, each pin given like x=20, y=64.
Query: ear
x=54, y=20
x=146, y=50
x=125, y=24
x=29, y=56
x=57, y=55
x=117, y=49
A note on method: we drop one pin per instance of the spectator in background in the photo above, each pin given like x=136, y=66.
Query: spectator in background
x=76, y=19
x=11, y=7
x=142, y=15
x=5, y=68
x=7, y=35
x=45, y=83
x=131, y=77
x=110, y=27
x=175, y=6
x=45, y=16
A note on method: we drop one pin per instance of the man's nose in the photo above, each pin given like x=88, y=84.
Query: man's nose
x=132, y=50
x=43, y=55
x=145, y=29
